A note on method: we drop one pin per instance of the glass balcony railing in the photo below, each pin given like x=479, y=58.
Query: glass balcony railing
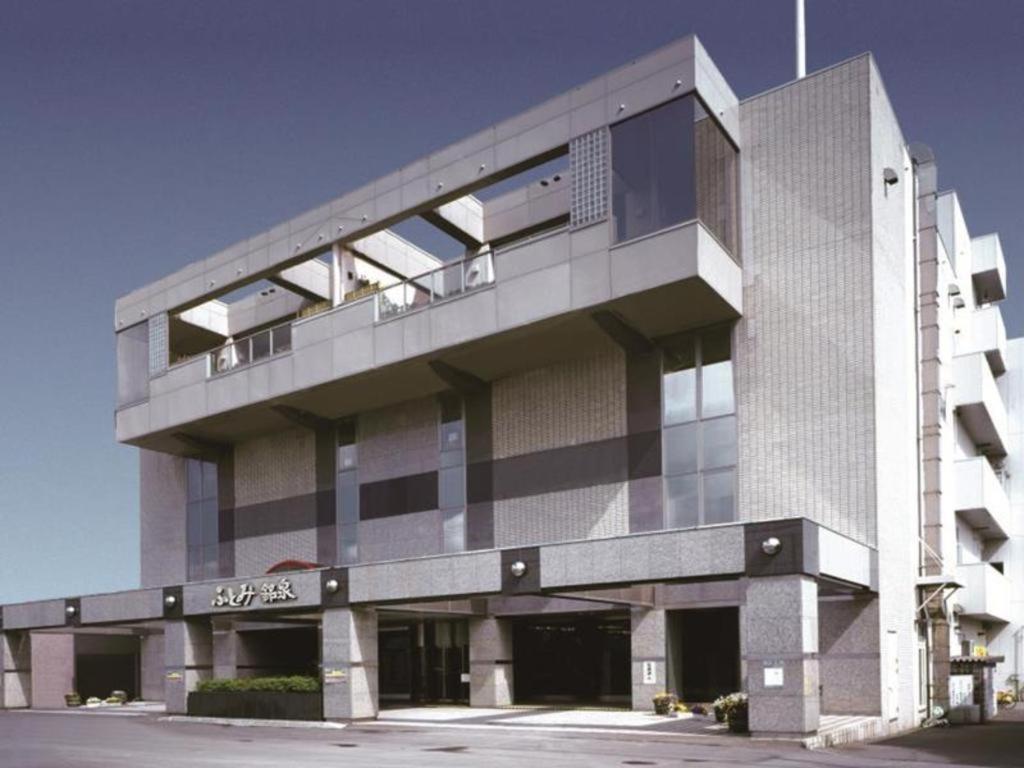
x=445, y=282
x=251, y=349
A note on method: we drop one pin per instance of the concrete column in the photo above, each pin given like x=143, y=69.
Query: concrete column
x=849, y=660
x=53, y=669
x=490, y=662
x=151, y=662
x=225, y=650
x=348, y=643
x=940, y=662
x=781, y=648
x=16, y=669
x=188, y=658
x=647, y=644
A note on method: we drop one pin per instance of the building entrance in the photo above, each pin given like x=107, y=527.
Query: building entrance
x=703, y=653
x=424, y=661
x=572, y=660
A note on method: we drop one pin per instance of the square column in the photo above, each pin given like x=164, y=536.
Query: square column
x=188, y=658
x=647, y=649
x=781, y=651
x=225, y=650
x=348, y=653
x=490, y=662
x=53, y=669
x=15, y=670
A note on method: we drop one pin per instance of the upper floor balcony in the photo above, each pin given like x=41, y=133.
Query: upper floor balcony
x=985, y=593
x=979, y=404
x=987, y=336
x=617, y=199
x=980, y=498
x=988, y=268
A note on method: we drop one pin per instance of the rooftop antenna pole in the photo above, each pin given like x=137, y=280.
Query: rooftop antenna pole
x=801, y=41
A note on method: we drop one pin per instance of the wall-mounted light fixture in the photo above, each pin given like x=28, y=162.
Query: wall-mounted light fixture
x=70, y=611
x=518, y=569
x=771, y=545
x=170, y=601
x=332, y=585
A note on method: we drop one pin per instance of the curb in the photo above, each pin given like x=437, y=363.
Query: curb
x=254, y=723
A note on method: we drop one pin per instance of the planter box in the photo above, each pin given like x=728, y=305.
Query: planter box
x=257, y=705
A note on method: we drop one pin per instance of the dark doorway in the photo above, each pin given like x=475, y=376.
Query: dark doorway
x=704, y=652
x=572, y=660
x=424, y=661
x=106, y=663
x=269, y=652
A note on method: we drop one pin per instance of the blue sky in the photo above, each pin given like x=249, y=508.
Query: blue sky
x=136, y=137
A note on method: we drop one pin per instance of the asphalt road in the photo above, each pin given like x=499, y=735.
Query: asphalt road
x=43, y=740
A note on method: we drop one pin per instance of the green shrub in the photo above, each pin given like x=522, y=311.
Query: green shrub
x=293, y=684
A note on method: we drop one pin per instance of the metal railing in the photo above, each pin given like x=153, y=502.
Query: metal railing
x=251, y=349
x=445, y=282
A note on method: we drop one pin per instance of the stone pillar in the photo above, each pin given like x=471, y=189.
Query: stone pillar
x=490, y=662
x=940, y=662
x=781, y=650
x=225, y=650
x=16, y=670
x=647, y=644
x=53, y=669
x=151, y=663
x=188, y=658
x=348, y=643
x=849, y=660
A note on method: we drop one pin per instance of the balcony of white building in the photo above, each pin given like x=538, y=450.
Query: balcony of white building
x=979, y=404
x=980, y=498
x=985, y=593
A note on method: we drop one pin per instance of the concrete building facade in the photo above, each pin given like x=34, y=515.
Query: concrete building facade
x=716, y=396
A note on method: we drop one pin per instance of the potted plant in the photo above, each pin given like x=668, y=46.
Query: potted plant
x=737, y=713
x=721, y=708
x=665, y=703
x=72, y=699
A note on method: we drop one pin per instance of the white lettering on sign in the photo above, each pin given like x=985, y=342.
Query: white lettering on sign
x=242, y=597
x=773, y=677
x=650, y=673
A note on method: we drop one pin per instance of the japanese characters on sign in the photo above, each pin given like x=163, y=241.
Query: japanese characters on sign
x=242, y=597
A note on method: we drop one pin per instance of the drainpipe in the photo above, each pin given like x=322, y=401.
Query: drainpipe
x=801, y=41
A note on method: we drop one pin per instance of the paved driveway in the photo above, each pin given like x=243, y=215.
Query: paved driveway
x=40, y=740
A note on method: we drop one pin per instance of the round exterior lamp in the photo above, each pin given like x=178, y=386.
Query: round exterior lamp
x=771, y=545
x=170, y=601
x=331, y=585
x=518, y=569
x=70, y=611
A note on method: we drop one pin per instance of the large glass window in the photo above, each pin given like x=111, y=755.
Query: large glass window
x=672, y=164
x=203, y=520
x=699, y=430
x=451, y=490
x=347, y=494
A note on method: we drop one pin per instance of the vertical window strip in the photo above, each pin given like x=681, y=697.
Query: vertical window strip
x=699, y=432
x=451, y=476
x=203, y=520
x=347, y=493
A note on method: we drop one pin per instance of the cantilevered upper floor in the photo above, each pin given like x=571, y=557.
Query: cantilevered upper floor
x=612, y=208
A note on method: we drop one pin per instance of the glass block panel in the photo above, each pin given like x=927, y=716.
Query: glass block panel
x=588, y=166
x=681, y=449
x=682, y=507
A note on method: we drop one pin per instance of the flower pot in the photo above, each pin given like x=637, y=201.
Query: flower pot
x=720, y=714
x=665, y=705
x=738, y=722
x=72, y=700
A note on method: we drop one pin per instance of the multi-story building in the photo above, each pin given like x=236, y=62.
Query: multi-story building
x=715, y=396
